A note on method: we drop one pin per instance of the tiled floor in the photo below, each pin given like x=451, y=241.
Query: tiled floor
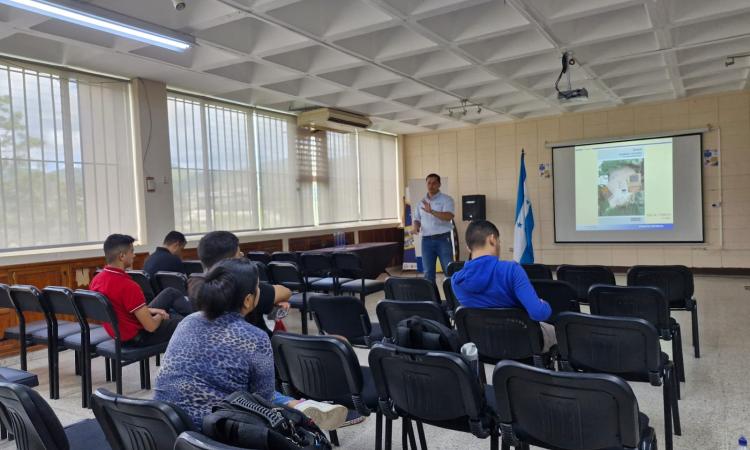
x=715, y=408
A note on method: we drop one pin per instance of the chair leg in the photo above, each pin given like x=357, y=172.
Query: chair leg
x=378, y=431
x=504, y=445
x=422, y=439
x=696, y=339
x=86, y=376
x=3, y=431
x=118, y=375
x=51, y=369
x=158, y=359
x=675, y=405
x=23, y=351
x=410, y=434
x=667, y=390
x=334, y=438
x=147, y=374
x=679, y=361
x=494, y=444
x=388, y=434
x=78, y=364
x=142, y=373
x=112, y=364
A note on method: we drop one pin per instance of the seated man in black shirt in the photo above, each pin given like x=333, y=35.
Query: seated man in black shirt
x=169, y=257
x=219, y=245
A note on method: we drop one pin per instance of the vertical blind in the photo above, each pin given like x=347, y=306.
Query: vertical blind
x=66, y=158
x=213, y=168
x=378, y=154
x=338, y=194
x=237, y=169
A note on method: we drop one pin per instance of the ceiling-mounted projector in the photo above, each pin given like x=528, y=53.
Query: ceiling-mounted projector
x=570, y=95
x=573, y=95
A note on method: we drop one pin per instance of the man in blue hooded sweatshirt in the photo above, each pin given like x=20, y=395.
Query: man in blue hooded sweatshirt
x=487, y=282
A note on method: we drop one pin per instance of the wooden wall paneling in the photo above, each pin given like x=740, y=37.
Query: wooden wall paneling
x=275, y=245
x=312, y=242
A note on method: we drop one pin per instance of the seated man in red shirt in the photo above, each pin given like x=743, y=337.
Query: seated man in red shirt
x=140, y=324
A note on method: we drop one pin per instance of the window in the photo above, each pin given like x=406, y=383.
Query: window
x=238, y=169
x=378, y=176
x=213, y=166
x=66, y=158
x=286, y=191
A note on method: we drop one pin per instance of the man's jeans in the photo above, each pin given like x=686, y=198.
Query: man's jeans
x=434, y=247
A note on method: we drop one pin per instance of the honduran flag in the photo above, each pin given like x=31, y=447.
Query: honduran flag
x=523, y=252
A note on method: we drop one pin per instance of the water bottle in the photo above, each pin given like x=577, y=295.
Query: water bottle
x=471, y=355
x=742, y=443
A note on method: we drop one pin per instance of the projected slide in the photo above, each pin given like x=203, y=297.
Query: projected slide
x=625, y=185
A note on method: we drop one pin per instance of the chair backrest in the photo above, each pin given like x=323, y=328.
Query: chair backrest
x=537, y=271
x=500, y=333
x=144, y=281
x=286, y=274
x=5, y=299
x=191, y=440
x=344, y=316
x=574, y=411
x=408, y=288
x=95, y=306
x=645, y=302
x=192, y=266
x=391, y=312
x=291, y=257
x=258, y=256
x=616, y=345
x=583, y=277
x=560, y=295
x=450, y=296
x=32, y=422
x=138, y=424
x=176, y=280
x=453, y=267
x=316, y=264
x=322, y=368
x=348, y=265
x=262, y=271
x=426, y=385
x=59, y=300
x=27, y=298
x=675, y=281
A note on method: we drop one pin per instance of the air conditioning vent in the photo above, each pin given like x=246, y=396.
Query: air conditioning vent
x=332, y=119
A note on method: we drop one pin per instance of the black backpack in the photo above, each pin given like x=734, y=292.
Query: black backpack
x=248, y=420
x=426, y=334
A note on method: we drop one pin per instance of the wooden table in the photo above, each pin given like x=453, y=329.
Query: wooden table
x=375, y=256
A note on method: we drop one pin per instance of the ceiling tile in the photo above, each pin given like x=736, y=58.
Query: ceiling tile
x=313, y=59
x=252, y=73
x=326, y=18
x=487, y=18
x=522, y=43
x=629, y=20
x=387, y=43
x=427, y=63
x=251, y=36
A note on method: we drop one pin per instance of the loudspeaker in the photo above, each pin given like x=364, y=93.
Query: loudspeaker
x=473, y=207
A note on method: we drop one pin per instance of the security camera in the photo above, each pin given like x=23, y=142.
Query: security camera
x=179, y=5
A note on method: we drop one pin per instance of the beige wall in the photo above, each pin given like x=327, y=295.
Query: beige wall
x=484, y=160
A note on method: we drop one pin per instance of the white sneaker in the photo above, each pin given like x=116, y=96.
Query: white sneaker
x=327, y=416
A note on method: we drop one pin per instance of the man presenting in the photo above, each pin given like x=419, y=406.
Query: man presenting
x=433, y=219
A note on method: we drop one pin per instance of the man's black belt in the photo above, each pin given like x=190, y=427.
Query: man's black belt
x=437, y=236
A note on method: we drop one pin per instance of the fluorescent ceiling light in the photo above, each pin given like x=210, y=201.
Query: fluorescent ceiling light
x=97, y=22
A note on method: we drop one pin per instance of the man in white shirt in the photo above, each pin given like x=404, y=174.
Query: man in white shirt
x=433, y=219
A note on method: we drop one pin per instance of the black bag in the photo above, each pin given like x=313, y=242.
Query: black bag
x=247, y=420
x=426, y=334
